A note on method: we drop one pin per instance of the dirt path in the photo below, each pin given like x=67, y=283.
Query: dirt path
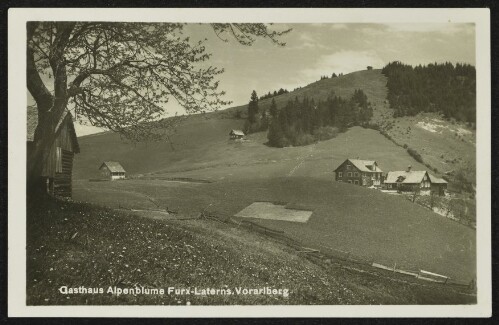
x=303, y=158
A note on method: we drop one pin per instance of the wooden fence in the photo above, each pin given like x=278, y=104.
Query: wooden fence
x=327, y=255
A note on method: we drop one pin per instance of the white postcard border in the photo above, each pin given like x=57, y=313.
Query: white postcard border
x=17, y=18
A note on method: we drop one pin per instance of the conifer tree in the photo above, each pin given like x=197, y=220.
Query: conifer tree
x=275, y=134
x=273, y=109
x=253, y=108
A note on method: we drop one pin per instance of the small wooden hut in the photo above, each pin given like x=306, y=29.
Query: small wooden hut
x=438, y=185
x=236, y=134
x=112, y=170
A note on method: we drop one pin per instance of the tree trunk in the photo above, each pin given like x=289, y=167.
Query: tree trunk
x=38, y=153
x=50, y=107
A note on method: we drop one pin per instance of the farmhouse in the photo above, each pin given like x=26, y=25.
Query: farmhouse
x=360, y=172
x=438, y=185
x=112, y=170
x=58, y=167
x=236, y=134
x=409, y=181
x=369, y=67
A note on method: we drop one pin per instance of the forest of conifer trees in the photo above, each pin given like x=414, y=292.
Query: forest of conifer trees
x=443, y=88
x=301, y=122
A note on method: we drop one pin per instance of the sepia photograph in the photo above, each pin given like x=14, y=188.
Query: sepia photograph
x=200, y=162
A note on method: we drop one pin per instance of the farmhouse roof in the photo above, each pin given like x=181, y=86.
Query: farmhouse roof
x=32, y=122
x=435, y=180
x=113, y=166
x=405, y=177
x=368, y=166
x=236, y=132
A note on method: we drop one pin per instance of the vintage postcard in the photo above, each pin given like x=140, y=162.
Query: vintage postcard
x=249, y=162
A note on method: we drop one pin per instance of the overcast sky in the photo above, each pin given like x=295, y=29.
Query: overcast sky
x=313, y=50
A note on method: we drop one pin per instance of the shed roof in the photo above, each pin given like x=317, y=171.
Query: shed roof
x=113, y=166
x=66, y=117
x=236, y=132
x=436, y=180
x=365, y=165
x=405, y=177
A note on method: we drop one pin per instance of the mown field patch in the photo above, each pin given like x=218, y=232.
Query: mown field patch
x=271, y=211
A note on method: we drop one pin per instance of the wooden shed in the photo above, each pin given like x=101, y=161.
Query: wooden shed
x=112, y=170
x=236, y=134
x=58, y=167
x=438, y=185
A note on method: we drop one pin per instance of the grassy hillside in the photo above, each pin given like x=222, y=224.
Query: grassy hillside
x=196, y=137
x=202, y=140
x=101, y=248
x=206, y=153
x=252, y=159
x=365, y=222
x=444, y=145
x=372, y=82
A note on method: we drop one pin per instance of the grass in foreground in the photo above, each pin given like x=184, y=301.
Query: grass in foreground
x=72, y=244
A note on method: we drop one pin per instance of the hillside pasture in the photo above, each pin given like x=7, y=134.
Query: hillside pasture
x=367, y=223
x=252, y=159
x=372, y=83
x=191, y=147
x=443, y=145
x=202, y=141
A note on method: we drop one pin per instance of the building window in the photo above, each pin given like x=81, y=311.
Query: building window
x=350, y=181
x=340, y=174
x=356, y=174
x=348, y=167
x=356, y=182
x=349, y=174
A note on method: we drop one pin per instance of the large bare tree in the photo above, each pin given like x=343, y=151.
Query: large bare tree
x=120, y=76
